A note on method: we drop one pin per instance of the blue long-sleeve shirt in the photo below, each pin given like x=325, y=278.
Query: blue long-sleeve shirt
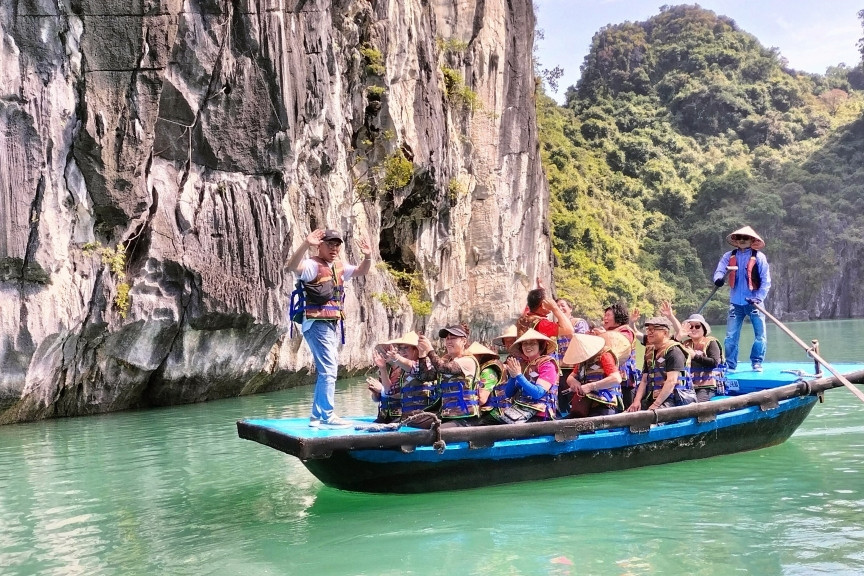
x=741, y=292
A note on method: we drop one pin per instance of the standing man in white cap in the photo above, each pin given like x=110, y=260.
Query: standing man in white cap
x=746, y=267
x=320, y=292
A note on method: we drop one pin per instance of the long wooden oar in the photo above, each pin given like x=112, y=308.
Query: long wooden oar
x=812, y=353
x=705, y=303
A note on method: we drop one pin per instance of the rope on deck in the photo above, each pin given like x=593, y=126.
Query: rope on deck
x=428, y=420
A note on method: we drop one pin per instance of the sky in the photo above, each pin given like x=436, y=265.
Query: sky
x=811, y=35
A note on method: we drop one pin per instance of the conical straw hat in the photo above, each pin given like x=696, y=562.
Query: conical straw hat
x=618, y=343
x=757, y=244
x=531, y=334
x=411, y=339
x=477, y=349
x=582, y=347
x=509, y=332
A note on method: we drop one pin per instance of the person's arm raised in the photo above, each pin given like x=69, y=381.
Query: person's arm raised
x=669, y=314
x=364, y=266
x=294, y=263
x=565, y=326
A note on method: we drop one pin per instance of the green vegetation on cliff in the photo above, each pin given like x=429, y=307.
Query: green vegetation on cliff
x=682, y=128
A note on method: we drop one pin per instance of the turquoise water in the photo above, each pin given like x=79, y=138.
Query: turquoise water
x=175, y=491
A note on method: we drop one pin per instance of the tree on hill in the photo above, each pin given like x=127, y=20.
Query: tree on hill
x=681, y=129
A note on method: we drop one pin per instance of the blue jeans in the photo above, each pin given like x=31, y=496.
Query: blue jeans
x=733, y=332
x=323, y=341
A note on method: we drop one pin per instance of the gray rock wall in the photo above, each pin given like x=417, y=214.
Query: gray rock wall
x=176, y=148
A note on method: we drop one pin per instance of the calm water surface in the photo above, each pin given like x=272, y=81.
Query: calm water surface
x=175, y=491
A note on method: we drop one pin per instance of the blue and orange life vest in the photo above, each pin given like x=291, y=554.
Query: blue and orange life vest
x=418, y=395
x=528, y=321
x=459, y=398
x=704, y=377
x=390, y=405
x=563, y=342
x=323, y=297
x=754, y=281
x=547, y=405
x=591, y=371
x=656, y=372
x=630, y=372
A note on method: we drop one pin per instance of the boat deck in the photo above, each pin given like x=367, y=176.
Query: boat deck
x=774, y=374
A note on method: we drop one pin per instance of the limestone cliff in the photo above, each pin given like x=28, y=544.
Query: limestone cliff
x=157, y=157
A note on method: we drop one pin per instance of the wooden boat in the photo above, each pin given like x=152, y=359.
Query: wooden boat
x=764, y=410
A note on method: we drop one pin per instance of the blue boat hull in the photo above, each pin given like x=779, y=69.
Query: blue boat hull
x=460, y=466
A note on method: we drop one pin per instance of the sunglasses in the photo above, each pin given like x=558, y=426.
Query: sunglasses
x=333, y=243
x=739, y=237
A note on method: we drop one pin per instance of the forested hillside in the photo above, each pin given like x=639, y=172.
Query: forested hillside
x=683, y=128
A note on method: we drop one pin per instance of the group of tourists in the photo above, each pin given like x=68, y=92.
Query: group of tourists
x=547, y=365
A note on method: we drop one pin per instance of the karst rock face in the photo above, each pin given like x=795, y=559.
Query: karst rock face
x=160, y=158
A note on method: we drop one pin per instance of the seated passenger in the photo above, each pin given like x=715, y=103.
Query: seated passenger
x=506, y=339
x=580, y=326
x=616, y=318
x=706, y=357
x=534, y=387
x=490, y=383
x=665, y=371
x=596, y=378
x=457, y=373
x=397, y=390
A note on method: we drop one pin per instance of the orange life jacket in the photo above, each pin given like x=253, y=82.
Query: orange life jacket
x=528, y=321
x=591, y=371
x=459, y=397
x=322, y=298
x=630, y=372
x=497, y=397
x=754, y=281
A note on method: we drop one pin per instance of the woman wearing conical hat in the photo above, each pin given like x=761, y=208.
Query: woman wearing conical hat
x=746, y=269
x=490, y=383
x=533, y=384
x=580, y=326
x=397, y=389
x=596, y=377
x=506, y=339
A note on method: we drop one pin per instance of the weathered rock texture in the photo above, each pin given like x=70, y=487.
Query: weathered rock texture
x=198, y=138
